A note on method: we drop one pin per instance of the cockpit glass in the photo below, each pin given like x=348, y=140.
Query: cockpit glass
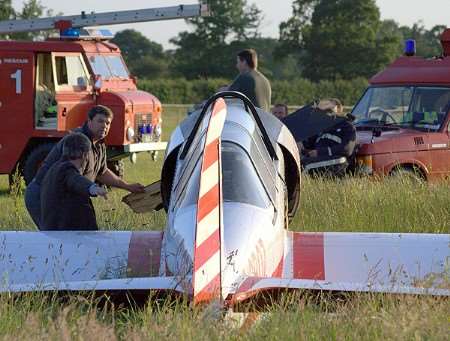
x=189, y=196
x=414, y=107
x=240, y=182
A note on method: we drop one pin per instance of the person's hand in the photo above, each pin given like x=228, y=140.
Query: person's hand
x=100, y=191
x=135, y=188
x=312, y=153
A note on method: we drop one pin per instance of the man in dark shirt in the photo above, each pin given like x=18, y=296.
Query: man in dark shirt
x=96, y=129
x=333, y=143
x=65, y=193
x=250, y=81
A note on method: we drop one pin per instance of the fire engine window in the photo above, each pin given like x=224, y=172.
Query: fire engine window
x=99, y=66
x=44, y=101
x=44, y=74
x=117, y=66
x=70, y=71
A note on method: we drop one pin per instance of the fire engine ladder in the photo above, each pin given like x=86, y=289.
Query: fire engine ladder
x=99, y=19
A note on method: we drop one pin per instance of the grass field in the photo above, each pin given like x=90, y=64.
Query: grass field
x=392, y=205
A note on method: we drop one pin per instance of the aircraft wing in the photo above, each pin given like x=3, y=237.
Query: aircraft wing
x=82, y=261
x=364, y=262
x=121, y=284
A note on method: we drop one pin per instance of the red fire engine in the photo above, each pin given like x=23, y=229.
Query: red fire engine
x=403, y=118
x=46, y=88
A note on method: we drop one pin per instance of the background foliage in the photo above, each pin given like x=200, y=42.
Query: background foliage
x=325, y=48
x=293, y=92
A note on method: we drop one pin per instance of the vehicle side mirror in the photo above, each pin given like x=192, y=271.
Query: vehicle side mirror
x=98, y=82
x=81, y=82
x=134, y=79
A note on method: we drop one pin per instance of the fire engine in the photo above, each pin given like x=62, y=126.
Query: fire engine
x=403, y=118
x=47, y=87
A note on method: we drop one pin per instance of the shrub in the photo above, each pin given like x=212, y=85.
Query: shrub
x=295, y=92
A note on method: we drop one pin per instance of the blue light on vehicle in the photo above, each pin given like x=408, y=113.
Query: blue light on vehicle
x=71, y=33
x=410, y=47
x=106, y=34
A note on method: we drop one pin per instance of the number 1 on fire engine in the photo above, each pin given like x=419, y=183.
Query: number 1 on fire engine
x=18, y=77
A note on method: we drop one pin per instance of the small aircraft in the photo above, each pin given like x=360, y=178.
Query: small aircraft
x=230, y=185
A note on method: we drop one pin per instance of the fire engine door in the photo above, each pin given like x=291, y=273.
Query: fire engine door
x=74, y=94
x=16, y=106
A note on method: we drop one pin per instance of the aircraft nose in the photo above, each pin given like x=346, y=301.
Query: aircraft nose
x=244, y=228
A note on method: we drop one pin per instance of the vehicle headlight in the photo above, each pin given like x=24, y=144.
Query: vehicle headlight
x=130, y=134
x=365, y=163
x=157, y=131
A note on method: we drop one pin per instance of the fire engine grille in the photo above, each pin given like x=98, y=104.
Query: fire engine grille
x=142, y=126
x=141, y=119
x=418, y=140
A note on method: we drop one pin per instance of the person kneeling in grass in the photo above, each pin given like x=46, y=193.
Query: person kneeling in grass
x=65, y=193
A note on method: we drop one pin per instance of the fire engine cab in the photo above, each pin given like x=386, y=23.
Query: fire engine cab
x=47, y=87
x=403, y=118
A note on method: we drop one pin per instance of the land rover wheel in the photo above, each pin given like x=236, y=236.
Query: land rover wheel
x=34, y=160
x=117, y=167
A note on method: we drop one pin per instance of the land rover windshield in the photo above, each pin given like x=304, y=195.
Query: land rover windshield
x=108, y=66
x=422, y=108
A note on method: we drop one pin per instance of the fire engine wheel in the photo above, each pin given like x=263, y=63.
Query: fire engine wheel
x=408, y=173
x=34, y=159
x=117, y=167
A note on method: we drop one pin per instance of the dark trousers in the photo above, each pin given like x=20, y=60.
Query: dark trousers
x=33, y=201
x=337, y=170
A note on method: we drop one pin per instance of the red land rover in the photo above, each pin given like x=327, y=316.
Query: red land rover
x=403, y=118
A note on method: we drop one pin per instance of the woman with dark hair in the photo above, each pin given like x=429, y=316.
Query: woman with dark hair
x=95, y=129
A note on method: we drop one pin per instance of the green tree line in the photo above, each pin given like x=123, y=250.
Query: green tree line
x=293, y=92
x=31, y=9
x=322, y=40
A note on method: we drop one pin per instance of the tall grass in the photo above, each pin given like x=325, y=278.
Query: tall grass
x=360, y=204
x=391, y=205
x=294, y=317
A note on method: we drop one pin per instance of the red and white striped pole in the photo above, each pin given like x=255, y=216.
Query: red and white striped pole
x=206, y=279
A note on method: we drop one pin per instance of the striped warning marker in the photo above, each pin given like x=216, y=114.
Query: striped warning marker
x=206, y=277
